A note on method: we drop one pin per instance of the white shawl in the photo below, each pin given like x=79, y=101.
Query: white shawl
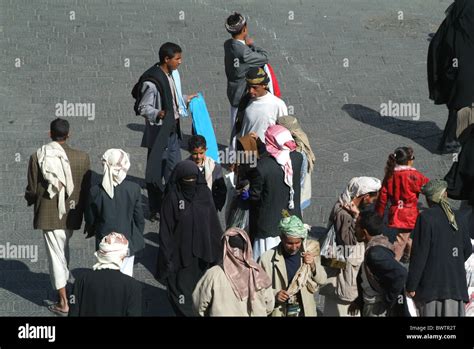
x=56, y=170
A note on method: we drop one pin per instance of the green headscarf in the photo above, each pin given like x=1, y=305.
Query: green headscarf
x=293, y=227
x=434, y=191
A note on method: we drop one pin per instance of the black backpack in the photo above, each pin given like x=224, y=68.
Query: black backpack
x=138, y=95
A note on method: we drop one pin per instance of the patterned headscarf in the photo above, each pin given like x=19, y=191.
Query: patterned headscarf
x=237, y=27
x=279, y=144
x=293, y=227
x=257, y=76
x=434, y=191
x=301, y=139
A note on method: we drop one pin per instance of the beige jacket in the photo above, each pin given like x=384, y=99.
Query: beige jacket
x=342, y=284
x=214, y=296
x=273, y=263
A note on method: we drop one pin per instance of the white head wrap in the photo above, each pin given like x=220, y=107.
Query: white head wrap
x=116, y=164
x=358, y=186
x=112, y=249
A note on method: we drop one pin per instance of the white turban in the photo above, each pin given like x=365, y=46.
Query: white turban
x=112, y=249
x=116, y=164
x=358, y=186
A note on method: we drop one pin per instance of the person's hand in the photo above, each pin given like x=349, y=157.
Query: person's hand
x=233, y=168
x=354, y=210
x=308, y=258
x=353, y=309
x=191, y=97
x=89, y=231
x=161, y=114
x=411, y=294
x=249, y=41
x=253, y=135
x=282, y=296
x=245, y=195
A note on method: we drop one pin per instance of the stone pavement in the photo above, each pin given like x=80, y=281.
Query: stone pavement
x=337, y=61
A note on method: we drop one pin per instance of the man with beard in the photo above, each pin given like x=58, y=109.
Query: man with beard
x=342, y=288
x=295, y=269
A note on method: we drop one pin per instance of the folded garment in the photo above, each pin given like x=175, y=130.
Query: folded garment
x=202, y=125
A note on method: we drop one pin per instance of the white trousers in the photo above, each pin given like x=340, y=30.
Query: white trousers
x=57, y=250
x=127, y=266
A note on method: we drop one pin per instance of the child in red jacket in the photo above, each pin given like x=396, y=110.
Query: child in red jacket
x=401, y=186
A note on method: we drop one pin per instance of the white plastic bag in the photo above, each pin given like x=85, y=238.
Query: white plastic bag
x=331, y=254
x=412, y=307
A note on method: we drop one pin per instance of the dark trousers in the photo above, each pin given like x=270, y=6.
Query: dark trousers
x=171, y=156
x=449, y=142
x=181, y=286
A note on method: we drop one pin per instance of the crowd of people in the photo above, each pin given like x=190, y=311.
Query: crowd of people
x=264, y=262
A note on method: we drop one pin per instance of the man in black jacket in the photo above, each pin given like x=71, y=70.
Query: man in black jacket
x=158, y=104
x=105, y=291
x=441, y=245
x=275, y=185
x=116, y=205
x=381, y=278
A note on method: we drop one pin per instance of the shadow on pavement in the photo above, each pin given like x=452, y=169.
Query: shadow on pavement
x=424, y=133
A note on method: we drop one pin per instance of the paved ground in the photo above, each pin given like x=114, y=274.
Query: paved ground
x=48, y=57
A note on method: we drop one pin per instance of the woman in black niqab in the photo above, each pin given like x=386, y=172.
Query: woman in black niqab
x=190, y=235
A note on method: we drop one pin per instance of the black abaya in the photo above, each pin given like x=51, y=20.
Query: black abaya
x=190, y=235
x=450, y=68
x=460, y=177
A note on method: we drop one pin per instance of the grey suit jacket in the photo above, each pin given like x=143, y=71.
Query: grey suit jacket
x=239, y=58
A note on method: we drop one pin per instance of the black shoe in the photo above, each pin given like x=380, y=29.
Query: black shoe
x=154, y=217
